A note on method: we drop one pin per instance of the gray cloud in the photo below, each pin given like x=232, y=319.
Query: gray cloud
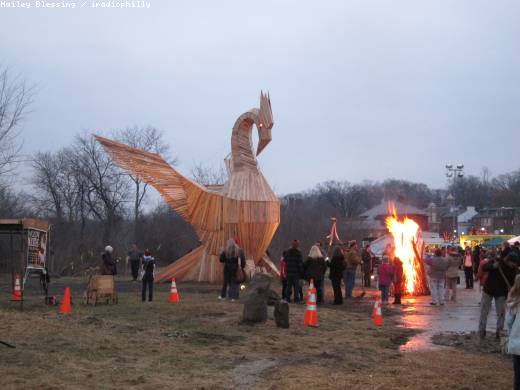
x=360, y=89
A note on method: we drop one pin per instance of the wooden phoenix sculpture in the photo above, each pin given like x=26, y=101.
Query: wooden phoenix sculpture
x=245, y=207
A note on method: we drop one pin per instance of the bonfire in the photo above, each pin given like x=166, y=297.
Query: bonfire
x=408, y=248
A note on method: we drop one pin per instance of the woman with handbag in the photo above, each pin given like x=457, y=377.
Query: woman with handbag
x=314, y=269
x=234, y=263
x=513, y=329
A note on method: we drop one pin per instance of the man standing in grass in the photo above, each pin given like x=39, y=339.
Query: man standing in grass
x=135, y=258
x=294, y=271
x=148, y=276
x=353, y=259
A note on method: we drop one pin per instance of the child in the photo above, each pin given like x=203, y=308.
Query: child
x=148, y=275
x=386, y=273
x=513, y=329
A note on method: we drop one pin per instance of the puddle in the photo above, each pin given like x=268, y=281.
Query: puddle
x=461, y=317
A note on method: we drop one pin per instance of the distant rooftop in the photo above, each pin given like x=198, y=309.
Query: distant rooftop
x=382, y=210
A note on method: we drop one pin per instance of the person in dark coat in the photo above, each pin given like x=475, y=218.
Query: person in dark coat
x=516, y=247
x=501, y=276
x=109, y=264
x=366, y=258
x=148, y=276
x=476, y=258
x=337, y=266
x=314, y=269
x=398, y=280
x=293, y=271
x=232, y=257
x=514, y=253
x=135, y=257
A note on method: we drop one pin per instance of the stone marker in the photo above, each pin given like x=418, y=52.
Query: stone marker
x=272, y=298
x=281, y=314
x=255, y=304
x=255, y=309
x=260, y=284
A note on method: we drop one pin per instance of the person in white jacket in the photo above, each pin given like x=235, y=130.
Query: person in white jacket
x=513, y=328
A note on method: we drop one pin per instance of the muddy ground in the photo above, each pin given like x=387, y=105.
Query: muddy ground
x=201, y=344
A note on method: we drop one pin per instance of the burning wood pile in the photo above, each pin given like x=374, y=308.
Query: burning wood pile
x=409, y=247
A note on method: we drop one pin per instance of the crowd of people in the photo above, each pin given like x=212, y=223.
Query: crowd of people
x=295, y=270
x=498, y=272
x=495, y=269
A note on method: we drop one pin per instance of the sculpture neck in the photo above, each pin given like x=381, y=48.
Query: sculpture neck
x=242, y=152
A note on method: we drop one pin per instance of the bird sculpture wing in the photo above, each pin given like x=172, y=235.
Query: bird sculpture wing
x=196, y=204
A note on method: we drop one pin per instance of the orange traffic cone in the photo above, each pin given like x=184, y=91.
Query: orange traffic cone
x=311, y=313
x=66, y=307
x=17, y=293
x=377, y=314
x=374, y=309
x=174, y=294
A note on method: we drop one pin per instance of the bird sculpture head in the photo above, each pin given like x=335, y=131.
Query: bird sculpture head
x=264, y=123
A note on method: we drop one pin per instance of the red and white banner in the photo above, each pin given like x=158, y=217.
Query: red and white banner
x=36, y=248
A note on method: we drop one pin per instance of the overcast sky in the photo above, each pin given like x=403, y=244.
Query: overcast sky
x=359, y=89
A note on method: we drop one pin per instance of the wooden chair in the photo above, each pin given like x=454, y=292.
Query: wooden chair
x=99, y=287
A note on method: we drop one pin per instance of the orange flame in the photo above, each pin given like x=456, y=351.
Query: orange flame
x=404, y=231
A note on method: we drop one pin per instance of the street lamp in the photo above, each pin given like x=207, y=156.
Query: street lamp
x=455, y=172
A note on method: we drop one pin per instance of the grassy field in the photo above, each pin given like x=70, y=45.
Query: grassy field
x=201, y=344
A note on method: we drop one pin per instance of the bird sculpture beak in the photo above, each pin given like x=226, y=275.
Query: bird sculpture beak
x=265, y=122
x=264, y=137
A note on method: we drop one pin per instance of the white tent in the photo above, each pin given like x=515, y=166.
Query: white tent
x=514, y=239
x=378, y=245
x=432, y=238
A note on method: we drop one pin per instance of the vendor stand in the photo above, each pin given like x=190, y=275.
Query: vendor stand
x=25, y=244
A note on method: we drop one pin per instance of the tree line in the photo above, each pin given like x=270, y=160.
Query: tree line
x=91, y=202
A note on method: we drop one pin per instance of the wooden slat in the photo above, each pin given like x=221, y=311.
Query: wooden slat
x=244, y=207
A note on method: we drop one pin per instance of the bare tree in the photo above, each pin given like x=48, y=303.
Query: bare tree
x=47, y=174
x=12, y=204
x=347, y=198
x=106, y=186
x=208, y=175
x=149, y=139
x=507, y=189
x=15, y=98
x=58, y=186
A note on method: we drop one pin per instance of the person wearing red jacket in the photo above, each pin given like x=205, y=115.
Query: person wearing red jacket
x=283, y=277
x=398, y=280
x=386, y=276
